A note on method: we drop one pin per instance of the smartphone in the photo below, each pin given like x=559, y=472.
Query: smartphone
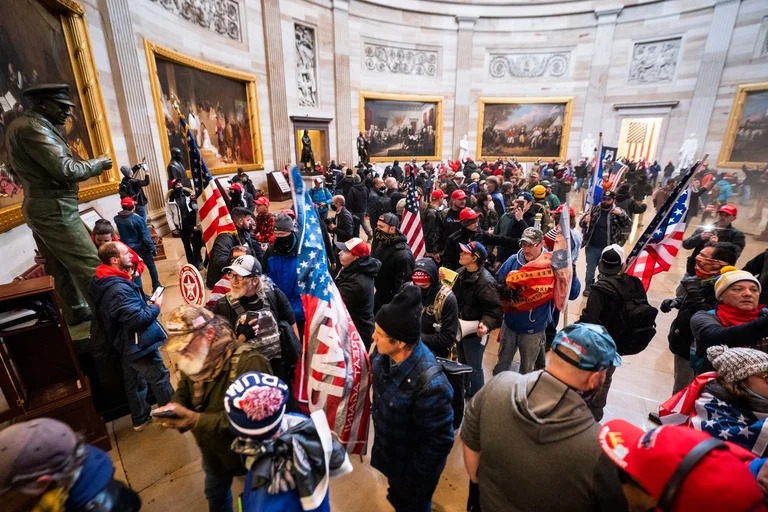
x=521, y=203
x=164, y=414
x=158, y=292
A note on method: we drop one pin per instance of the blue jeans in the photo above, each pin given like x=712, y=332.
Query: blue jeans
x=149, y=261
x=471, y=352
x=141, y=211
x=148, y=369
x=530, y=345
x=218, y=490
x=579, y=183
x=592, y=255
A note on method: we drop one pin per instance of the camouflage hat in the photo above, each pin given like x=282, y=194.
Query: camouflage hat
x=182, y=325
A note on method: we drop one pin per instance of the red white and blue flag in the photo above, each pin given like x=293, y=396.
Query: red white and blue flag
x=334, y=373
x=213, y=211
x=411, y=224
x=664, y=243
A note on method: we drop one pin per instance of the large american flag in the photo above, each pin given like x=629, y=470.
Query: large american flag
x=617, y=173
x=411, y=224
x=214, y=215
x=663, y=245
x=700, y=410
x=334, y=373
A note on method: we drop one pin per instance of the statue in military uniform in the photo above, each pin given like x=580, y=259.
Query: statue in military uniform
x=176, y=170
x=50, y=175
x=363, y=148
x=307, y=156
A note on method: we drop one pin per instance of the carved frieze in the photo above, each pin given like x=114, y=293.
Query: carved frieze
x=403, y=61
x=654, y=61
x=220, y=16
x=306, y=65
x=530, y=65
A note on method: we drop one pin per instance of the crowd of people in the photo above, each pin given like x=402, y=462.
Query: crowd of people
x=426, y=323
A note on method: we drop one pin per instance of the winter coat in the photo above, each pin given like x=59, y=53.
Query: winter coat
x=321, y=195
x=356, y=285
x=616, y=225
x=357, y=199
x=345, y=226
x=438, y=334
x=134, y=189
x=433, y=227
x=478, y=298
x=173, y=210
x=128, y=322
x=758, y=266
x=133, y=231
x=695, y=294
x=695, y=242
x=396, y=268
x=413, y=429
x=281, y=266
x=222, y=246
x=708, y=331
x=532, y=321
x=378, y=204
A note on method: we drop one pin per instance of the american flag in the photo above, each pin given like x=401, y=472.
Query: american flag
x=663, y=245
x=411, y=225
x=562, y=262
x=595, y=190
x=334, y=372
x=214, y=215
x=700, y=410
x=617, y=173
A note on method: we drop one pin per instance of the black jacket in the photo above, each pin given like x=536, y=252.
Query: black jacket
x=433, y=227
x=345, y=226
x=478, y=298
x=396, y=268
x=357, y=199
x=604, y=304
x=223, y=245
x=695, y=242
x=758, y=266
x=355, y=283
x=451, y=251
x=438, y=336
x=378, y=204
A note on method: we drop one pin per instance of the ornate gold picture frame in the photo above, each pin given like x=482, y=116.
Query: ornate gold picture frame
x=47, y=41
x=220, y=104
x=402, y=127
x=525, y=128
x=746, y=138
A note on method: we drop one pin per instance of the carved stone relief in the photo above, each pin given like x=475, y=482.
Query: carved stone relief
x=530, y=65
x=220, y=16
x=306, y=65
x=654, y=61
x=403, y=61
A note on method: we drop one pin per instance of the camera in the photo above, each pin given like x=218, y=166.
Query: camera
x=328, y=221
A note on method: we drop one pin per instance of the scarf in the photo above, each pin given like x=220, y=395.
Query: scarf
x=730, y=316
x=386, y=238
x=708, y=267
x=107, y=271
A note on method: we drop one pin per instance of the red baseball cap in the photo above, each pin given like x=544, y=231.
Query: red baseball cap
x=262, y=201
x=128, y=202
x=729, y=209
x=458, y=194
x=467, y=214
x=236, y=186
x=355, y=246
x=560, y=210
x=721, y=479
x=437, y=194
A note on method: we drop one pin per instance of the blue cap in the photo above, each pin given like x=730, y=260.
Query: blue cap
x=525, y=195
x=475, y=249
x=586, y=346
x=255, y=404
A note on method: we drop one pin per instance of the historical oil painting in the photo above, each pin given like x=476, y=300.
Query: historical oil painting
x=746, y=140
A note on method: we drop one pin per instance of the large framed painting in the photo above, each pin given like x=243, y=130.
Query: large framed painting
x=746, y=139
x=402, y=127
x=219, y=103
x=46, y=41
x=525, y=128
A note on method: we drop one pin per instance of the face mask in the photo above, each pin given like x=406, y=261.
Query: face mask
x=754, y=394
x=333, y=207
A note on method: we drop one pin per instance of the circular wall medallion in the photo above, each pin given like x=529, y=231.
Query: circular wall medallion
x=191, y=284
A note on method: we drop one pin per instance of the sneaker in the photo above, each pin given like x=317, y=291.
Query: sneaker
x=654, y=417
x=143, y=426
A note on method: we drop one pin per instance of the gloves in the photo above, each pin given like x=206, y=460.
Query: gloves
x=245, y=329
x=668, y=305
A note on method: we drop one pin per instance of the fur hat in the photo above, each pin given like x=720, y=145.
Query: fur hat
x=735, y=364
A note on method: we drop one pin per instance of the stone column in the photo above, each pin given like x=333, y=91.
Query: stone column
x=462, y=96
x=132, y=102
x=278, y=101
x=598, y=74
x=345, y=129
x=711, y=70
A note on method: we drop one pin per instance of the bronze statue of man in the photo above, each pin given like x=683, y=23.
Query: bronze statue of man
x=307, y=156
x=50, y=175
x=363, y=147
x=176, y=170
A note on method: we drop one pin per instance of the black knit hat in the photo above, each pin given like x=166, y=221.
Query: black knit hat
x=401, y=318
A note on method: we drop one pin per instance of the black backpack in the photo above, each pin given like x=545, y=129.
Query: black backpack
x=126, y=189
x=638, y=323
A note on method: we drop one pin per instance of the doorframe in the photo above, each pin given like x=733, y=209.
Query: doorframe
x=646, y=109
x=301, y=123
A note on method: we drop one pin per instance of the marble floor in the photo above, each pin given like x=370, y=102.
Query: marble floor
x=164, y=466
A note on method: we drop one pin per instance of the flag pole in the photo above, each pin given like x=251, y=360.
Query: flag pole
x=663, y=212
x=566, y=206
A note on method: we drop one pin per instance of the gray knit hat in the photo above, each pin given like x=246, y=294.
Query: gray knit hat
x=735, y=364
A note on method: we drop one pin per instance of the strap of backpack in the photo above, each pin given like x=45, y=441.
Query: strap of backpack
x=235, y=304
x=623, y=294
x=427, y=376
x=437, y=305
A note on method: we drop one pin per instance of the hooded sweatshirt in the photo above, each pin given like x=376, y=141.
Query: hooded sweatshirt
x=438, y=325
x=535, y=434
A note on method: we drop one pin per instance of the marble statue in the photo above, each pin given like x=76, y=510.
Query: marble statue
x=588, y=147
x=463, y=148
x=307, y=156
x=687, y=152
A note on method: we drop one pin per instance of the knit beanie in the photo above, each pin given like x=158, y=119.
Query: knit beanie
x=401, y=318
x=731, y=275
x=735, y=364
x=255, y=404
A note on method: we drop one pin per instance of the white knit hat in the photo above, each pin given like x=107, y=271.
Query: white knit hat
x=735, y=364
x=731, y=275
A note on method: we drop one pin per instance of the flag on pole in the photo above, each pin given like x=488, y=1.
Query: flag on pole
x=411, y=224
x=595, y=190
x=214, y=215
x=617, y=173
x=664, y=244
x=334, y=373
x=562, y=262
